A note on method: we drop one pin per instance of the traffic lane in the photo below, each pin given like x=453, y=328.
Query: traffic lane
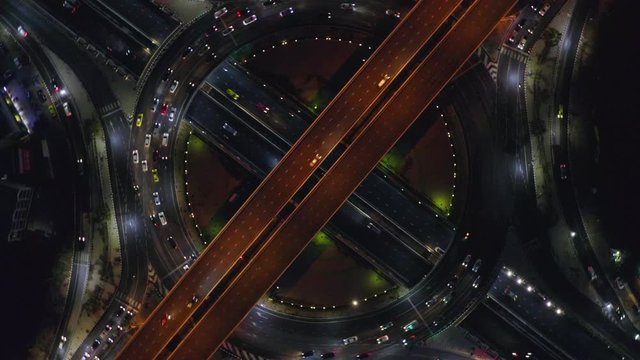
x=58, y=42
x=561, y=329
x=91, y=25
x=256, y=214
x=148, y=17
x=383, y=246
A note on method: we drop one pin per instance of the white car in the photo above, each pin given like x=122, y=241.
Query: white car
x=174, y=86
x=382, y=339
x=522, y=43
x=147, y=140
x=22, y=32
x=350, y=340
x=163, y=220
x=172, y=113
x=156, y=198
x=145, y=166
x=249, y=20
x=220, y=12
x=135, y=156
x=165, y=139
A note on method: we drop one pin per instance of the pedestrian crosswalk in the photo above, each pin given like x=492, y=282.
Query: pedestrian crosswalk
x=130, y=302
x=109, y=109
x=489, y=64
x=239, y=353
x=514, y=54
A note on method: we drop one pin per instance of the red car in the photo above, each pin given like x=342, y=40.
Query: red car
x=165, y=319
x=164, y=109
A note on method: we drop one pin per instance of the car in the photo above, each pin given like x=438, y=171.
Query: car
x=350, y=340
x=287, y=11
x=620, y=283
x=165, y=319
x=172, y=242
x=167, y=74
x=147, y=140
x=174, y=86
x=328, y=355
x=108, y=327
x=270, y=2
x=156, y=198
x=67, y=109
x=543, y=10
x=447, y=297
x=363, y=355
x=120, y=311
x=54, y=85
x=139, y=119
x=476, y=266
x=563, y=171
x=249, y=20
x=410, y=326
x=41, y=96
x=95, y=344
x=145, y=166
x=467, y=260
x=315, y=159
x=386, y=326
x=194, y=300
x=592, y=273
x=381, y=339
x=220, y=12
x=227, y=31
x=451, y=283
x=406, y=341
x=535, y=5
x=109, y=340
x=135, y=156
x=165, y=139
x=157, y=123
x=307, y=353
x=264, y=108
x=348, y=6
x=154, y=173
x=521, y=24
x=172, y=113
x=234, y=95
x=22, y=31
x=393, y=13
x=243, y=12
x=522, y=43
x=533, y=27
x=187, y=52
x=229, y=129
x=154, y=220
x=164, y=109
x=620, y=313
x=384, y=79
x=476, y=282
x=204, y=49
x=155, y=155
x=154, y=105
x=163, y=219
x=512, y=38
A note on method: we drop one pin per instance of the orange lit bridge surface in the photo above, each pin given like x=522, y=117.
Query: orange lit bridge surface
x=386, y=127
x=255, y=217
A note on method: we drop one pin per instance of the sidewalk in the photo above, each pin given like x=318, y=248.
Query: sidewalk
x=540, y=78
x=103, y=243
